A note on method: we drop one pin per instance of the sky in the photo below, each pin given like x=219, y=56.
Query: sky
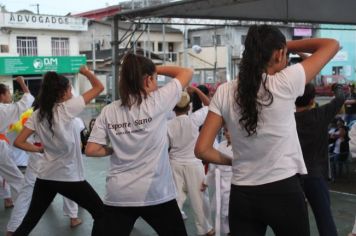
x=57, y=7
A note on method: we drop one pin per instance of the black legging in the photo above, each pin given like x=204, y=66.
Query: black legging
x=80, y=192
x=280, y=205
x=165, y=219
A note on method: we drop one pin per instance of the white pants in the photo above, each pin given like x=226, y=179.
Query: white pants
x=221, y=199
x=23, y=201
x=5, y=191
x=9, y=170
x=188, y=179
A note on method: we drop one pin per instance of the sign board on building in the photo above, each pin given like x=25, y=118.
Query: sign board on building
x=33, y=21
x=305, y=32
x=40, y=65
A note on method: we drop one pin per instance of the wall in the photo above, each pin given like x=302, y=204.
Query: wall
x=346, y=56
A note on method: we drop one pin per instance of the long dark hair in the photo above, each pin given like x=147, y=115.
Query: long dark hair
x=52, y=90
x=134, y=68
x=196, y=100
x=261, y=42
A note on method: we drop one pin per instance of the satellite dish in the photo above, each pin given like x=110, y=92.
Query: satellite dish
x=197, y=49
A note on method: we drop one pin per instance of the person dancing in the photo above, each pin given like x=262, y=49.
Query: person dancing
x=140, y=182
x=62, y=167
x=258, y=109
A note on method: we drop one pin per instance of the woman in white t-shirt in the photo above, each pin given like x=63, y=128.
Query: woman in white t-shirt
x=258, y=109
x=61, y=169
x=140, y=182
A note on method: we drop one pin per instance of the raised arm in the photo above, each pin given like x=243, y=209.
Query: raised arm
x=184, y=75
x=205, y=100
x=97, y=86
x=322, y=51
x=22, y=84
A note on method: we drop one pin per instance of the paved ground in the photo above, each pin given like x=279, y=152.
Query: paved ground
x=55, y=224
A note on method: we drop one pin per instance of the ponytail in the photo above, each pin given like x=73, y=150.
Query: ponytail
x=52, y=91
x=261, y=42
x=134, y=68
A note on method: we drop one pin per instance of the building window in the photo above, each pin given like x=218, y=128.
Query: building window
x=160, y=47
x=152, y=46
x=338, y=70
x=60, y=46
x=196, y=40
x=170, y=47
x=217, y=40
x=27, y=46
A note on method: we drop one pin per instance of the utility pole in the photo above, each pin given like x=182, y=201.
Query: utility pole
x=164, y=42
x=93, y=50
x=38, y=7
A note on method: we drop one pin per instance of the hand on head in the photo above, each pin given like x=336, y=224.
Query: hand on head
x=20, y=79
x=191, y=90
x=84, y=70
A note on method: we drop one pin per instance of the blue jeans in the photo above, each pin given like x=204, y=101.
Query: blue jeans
x=317, y=193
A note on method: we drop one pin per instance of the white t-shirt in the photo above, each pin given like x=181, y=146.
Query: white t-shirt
x=62, y=152
x=274, y=153
x=183, y=132
x=140, y=173
x=10, y=113
x=19, y=156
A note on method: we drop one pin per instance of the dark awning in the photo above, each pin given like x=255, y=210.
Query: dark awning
x=309, y=11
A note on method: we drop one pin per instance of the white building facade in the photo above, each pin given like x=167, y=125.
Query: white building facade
x=32, y=44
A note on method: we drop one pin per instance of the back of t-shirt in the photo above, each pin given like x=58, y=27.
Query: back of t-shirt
x=139, y=173
x=62, y=153
x=273, y=153
x=183, y=132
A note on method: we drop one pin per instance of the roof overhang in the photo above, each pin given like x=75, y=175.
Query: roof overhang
x=309, y=11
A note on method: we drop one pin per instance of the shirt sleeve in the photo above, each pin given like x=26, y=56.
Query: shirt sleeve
x=99, y=133
x=10, y=113
x=198, y=117
x=25, y=102
x=74, y=106
x=216, y=103
x=290, y=82
x=168, y=96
